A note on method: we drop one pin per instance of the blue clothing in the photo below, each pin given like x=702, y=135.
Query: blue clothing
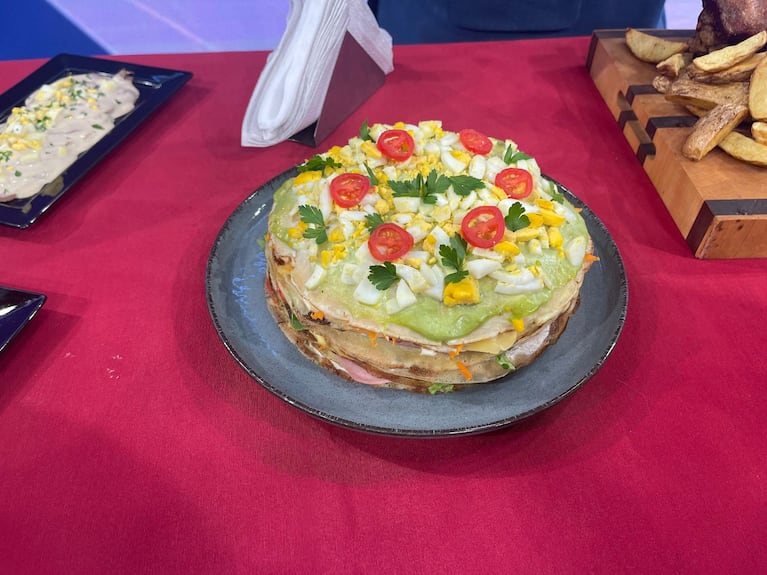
x=433, y=21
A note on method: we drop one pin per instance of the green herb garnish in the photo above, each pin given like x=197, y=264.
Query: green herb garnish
x=42, y=124
x=453, y=256
x=435, y=184
x=464, y=185
x=371, y=175
x=97, y=126
x=407, y=188
x=295, y=324
x=318, y=164
x=372, y=221
x=511, y=156
x=365, y=132
x=17, y=174
x=5, y=155
x=504, y=362
x=435, y=388
x=312, y=216
x=382, y=276
x=516, y=218
x=426, y=189
x=556, y=195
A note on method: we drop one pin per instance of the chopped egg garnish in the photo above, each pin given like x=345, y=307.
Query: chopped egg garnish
x=426, y=216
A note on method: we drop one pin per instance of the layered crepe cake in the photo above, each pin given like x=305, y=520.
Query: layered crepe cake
x=419, y=258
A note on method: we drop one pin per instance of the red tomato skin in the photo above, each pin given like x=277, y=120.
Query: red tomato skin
x=510, y=180
x=396, y=144
x=483, y=226
x=348, y=189
x=475, y=141
x=388, y=242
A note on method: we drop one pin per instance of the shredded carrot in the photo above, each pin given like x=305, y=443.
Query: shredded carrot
x=318, y=315
x=372, y=335
x=591, y=258
x=464, y=370
x=453, y=354
x=579, y=210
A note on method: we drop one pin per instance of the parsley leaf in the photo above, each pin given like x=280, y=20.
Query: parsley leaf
x=312, y=216
x=516, y=218
x=318, y=164
x=556, y=195
x=453, y=256
x=427, y=189
x=407, y=188
x=504, y=362
x=435, y=184
x=436, y=388
x=511, y=157
x=372, y=221
x=365, y=132
x=464, y=185
x=295, y=323
x=382, y=276
x=371, y=175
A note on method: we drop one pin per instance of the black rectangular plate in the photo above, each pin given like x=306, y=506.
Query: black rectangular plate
x=155, y=86
x=16, y=309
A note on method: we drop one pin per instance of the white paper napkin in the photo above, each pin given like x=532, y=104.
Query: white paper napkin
x=290, y=91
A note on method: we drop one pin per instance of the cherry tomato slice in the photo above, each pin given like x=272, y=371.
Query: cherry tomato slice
x=475, y=141
x=396, y=144
x=483, y=226
x=348, y=189
x=389, y=241
x=517, y=183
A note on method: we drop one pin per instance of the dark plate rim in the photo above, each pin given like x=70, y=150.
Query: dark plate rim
x=594, y=224
x=29, y=302
x=155, y=85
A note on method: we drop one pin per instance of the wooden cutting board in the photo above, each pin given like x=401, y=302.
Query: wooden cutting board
x=718, y=203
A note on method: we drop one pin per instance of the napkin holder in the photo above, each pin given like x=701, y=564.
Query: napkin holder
x=355, y=78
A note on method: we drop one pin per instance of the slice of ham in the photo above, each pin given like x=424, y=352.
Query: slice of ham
x=358, y=373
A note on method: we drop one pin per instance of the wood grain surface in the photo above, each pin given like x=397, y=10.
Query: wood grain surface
x=718, y=203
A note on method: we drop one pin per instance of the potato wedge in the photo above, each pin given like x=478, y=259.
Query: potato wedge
x=712, y=128
x=740, y=72
x=672, y=65
x=653, y=49
x=695, y=111
x=707, y=96
x=759, y=132
x=744, y=148
x=661, y=83
x=757, y=92
x=730, y=55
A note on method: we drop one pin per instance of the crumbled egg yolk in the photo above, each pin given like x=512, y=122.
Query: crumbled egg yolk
x=465, y=291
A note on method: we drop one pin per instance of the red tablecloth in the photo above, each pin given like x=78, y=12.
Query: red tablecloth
x=131, y=441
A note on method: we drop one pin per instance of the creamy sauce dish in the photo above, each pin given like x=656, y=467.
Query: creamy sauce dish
x=58, y=122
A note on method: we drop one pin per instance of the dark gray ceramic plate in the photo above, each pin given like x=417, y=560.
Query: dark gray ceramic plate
x=235, y=291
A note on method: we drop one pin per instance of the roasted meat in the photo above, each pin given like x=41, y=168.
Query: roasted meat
x=728, y=21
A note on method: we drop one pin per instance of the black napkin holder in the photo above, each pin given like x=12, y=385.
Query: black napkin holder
x=355, y=78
